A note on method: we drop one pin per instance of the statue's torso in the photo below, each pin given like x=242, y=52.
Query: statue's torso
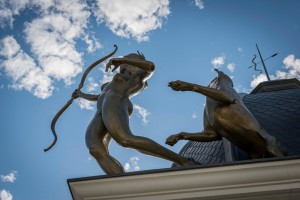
x=232, y=121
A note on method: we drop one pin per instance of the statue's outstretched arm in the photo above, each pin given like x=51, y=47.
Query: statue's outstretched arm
x=215, y=94
x=90, y=97
x=142, y=64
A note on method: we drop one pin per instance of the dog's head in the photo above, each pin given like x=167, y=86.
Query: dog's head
x=221, y=79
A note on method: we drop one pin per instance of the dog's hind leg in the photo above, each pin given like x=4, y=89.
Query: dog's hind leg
x=204, y=136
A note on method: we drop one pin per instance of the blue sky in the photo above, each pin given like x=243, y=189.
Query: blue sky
x=45, y=47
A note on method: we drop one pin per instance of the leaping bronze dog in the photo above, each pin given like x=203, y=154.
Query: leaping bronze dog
x=225, y=115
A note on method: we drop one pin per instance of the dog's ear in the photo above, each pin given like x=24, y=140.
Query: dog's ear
x=217, y=70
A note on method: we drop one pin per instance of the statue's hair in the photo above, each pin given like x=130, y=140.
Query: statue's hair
x=137, y=55
x=141, y=54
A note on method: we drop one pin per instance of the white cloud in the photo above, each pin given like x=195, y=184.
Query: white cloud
x=217, y=62
x=23, y=70
x=5, y=195
x=241, y=89
x=10, y=8
x=52, y=38
x=130, y=19
x=107, y=76
x=9, y=47
x=258, y=79
x=194, y=115
x=127, y=167
x=240, y=49
x=85, y=104
x=132, y=165
x=231, y=67
x=11, y=177
x=92, y=42
x=292, y=64
x=6, y=17
x=292, y=70
x=89, y=159
x=199, y=4
x=142, y=112
x=92, y=85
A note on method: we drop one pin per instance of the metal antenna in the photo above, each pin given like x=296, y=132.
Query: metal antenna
x=255, y=64
x=275, y=54
x=263, y=63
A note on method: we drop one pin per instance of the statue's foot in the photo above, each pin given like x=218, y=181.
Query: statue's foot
x=192, y=162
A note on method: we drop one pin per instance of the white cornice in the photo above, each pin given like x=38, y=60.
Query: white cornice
x=252, y=181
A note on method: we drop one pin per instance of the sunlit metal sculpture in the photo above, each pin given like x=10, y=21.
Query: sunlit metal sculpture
x=225, y=115
x=81, y=84
x=111, y=121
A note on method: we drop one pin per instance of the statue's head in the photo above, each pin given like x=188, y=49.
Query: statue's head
x=133, y=69
x=135, y=56
x=222, y=78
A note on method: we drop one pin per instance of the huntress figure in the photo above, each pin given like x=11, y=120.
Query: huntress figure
x=113, y=110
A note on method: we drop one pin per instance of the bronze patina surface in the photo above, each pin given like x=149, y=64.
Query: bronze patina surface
x=60, y=112
x=225, y=115
x=111, y=121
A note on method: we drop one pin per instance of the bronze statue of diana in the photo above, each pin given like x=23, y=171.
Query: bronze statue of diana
x=225, y=115
x=111, y=121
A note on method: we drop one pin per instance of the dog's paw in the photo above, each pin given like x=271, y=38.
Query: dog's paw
x=177, y=85
x=173, y=139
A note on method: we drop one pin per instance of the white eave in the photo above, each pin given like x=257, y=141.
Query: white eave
x=273, y=179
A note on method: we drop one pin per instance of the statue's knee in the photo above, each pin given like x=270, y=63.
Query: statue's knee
x=126, y=142
x=96, y=152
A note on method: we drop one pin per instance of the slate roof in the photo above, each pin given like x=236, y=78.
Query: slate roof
x=205, y=152
x=276, y=106
x=279, y=113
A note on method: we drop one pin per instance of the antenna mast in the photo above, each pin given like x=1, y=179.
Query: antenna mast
x=263, y=63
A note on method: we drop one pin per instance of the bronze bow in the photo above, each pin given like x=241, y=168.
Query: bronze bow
x=54, y=120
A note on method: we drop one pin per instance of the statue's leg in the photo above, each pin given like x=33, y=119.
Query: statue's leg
x=117, y=124
x=215, y=94
x=97, y=141
x=204, y=136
